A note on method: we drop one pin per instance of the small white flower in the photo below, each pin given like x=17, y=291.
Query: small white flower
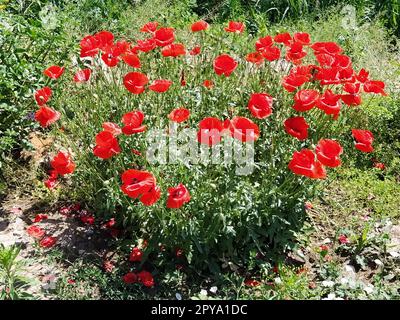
x=203, y=292
x=328, y=283
x=178, y=296
x=332, y=296
x=278, y=280
x=213, y=289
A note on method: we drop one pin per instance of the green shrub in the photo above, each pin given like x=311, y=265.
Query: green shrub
x=228, y=215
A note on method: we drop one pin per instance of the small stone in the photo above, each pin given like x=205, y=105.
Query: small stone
x=369, y=289
x=378, y=262
x=326, y=241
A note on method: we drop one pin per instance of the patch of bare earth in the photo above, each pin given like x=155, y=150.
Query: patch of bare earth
x=74, y=240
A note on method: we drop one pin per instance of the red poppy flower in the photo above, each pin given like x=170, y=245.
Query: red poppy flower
x=146, y=278
x=328, y=152
x=62, y=163
x=39, y=217
x=145, y=45
x=364, y=139
x=89, y=46
x=244, y=129
x=224, y=64
x=304, y=163
x=353, y=98
x=140, y=184
x=164, y=36
x=352, y=88
x=377, y=87
x=105, y=39
x=199, y=26
x=48, y=242
x=260, y=105
x=347, y=75
x=108, y=266
x=302, y=38
x=160, y=85
x=195, y=51
x=236, y=27
x=208, y=84
x=150, y=27
x=330, y=48
x=295, y=53
x=135, y=82
x=343, y=239
x=136, y=152
x=179, y=115
x=308, y=205
x=136, y=255
x=363, y=76
x=87, y=219
x=284, y=38
x=54, y=72
x=112, y=127
x=110, y=223
x=82, y=75
x=174, y=50
x=177, y=196
x=210, y=131
x=130, y=278
x=133, y=122
x=324, y=248
x=328, y=76
x=264, y=43
x=297, y=77
x=252, y=283
x=43, y=95
x=111, y=56
x=106, y=145
x=325, y=60
x=342, y=61
x=292, y=81
x=131, y=59
x=305, y=100
x=50, y=183
x=379, y=165
x=297, y=127
x=271, y=53
x=255, y=57
x=52, y=180
x=151, y=197
x=120, y=47
x=35, y=232
x=330, y=103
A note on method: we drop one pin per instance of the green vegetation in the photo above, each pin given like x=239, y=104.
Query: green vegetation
x=12, y=284
x=361, y=202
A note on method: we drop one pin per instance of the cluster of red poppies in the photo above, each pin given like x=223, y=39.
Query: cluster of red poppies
x=39, y=234
x=144, y=277
x=61, y=164
x=332, y=68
